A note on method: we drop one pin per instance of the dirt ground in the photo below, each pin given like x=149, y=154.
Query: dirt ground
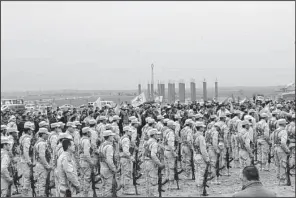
x=229, y=185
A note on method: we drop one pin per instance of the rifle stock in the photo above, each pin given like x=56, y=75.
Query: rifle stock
x=192, y=165
x=177, y=173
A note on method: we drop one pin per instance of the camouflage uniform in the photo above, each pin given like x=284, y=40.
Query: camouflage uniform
x=151, y=161
x=67, y=174
x=25, y=143
x=125, y=161
x=169, y=154
x=262, y=133
x=245, y=151
x=42, y=166
x=201, y=157
x=108, y=168
x=186, y=136
x=6, y=178
x=280, y=151
x=291, y=138
x=234, y=140
x=85, y=163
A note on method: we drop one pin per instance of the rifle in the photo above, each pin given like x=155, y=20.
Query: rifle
x=228, y=161
x=217, y=166
x=269, y=156
x=94, y=182
x=160, y=183
x=33, y=181
x=205, y=180
x=115, y=186
x=48, y=185
x=288, y=173
x=136, y=167
x=192, y=166
x=177, y=173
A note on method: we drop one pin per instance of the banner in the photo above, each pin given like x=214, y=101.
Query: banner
x=158, y=99
x=140, y=99
x=97, y=103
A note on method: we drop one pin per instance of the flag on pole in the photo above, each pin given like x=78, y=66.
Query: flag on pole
x=243, y=101
x=117, y=110
x=98, y=103
x=140, y=99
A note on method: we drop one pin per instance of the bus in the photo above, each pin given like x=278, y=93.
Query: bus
x=12, y=104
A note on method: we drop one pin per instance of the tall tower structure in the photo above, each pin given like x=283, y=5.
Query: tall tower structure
x=216, y=89
x=148, y=91
x=152, y=82
x=205, y=97
x=192, y=90
x=182, y=91
x=139, y=89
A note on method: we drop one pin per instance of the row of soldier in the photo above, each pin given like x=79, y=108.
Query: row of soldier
x=99, y=158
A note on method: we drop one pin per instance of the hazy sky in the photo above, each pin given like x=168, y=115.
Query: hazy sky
x=111, y=45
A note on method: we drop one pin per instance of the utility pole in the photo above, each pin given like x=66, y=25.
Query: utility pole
x=152, y=82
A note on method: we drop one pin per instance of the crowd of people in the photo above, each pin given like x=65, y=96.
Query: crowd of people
x=106, y=150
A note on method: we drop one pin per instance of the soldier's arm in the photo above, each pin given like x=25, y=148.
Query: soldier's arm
x=284, y=138
x=171, y=141
x=248, y=144
x=266, y=133
x=109, y=158
x=4, y=168
x=125, y=148
x=215, y=141
x=153, y=154
x=42, y=155
x=226, y=139
x=26, y=150
x=86, y=151
x=134, y=136
x=69, y=170
x=203, y=148
x=189, y=139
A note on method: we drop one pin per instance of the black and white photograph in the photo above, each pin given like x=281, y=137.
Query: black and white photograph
x=148, y=99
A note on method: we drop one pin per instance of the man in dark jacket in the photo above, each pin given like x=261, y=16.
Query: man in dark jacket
x=252, y=187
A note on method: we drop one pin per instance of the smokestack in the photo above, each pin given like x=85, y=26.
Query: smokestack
x=205, y=97
x=193, y=90
x=173, y=93
x=152, y=92
x=169, y=93
x=148, y=92
x=139, y=89
x=216, y=89
x=182, y=91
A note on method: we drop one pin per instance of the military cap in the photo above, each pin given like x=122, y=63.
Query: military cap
x=77, y=123
x=126, y=128
x=279, y=106
x=190, y=115
x=92, y=121
x=103, y=118
x=188, y=121
x=54, y=125
x=116, y=117
x=264, y=115
x=169, y=107
x=152, y=131
x=252, y=111
x=177, y=116
x=61, y=124
x=132, y=118
x=200, y=124
x=85, y=129
x=293, y=115
x=171, y=123
x=213, y=116
x=65, y=136
x=135, y=121
x=282, y=121
x=43, y=124
x=217, y=125
x=11, y=118
x=165, y=120
x=108, y=133
x=227, y=113
x=150, y=121
x=108, y=127
x=3, y=127
x=29, y=125
x=5, y=140
x=43, y=130
x=11, y=130
x=222, y=115
x=245, y=122
x=71, y=124
x=159, y=117
x=274, y=113
x=198, y=116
